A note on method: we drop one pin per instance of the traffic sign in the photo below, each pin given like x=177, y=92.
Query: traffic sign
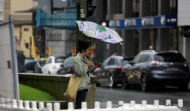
x=90, y=10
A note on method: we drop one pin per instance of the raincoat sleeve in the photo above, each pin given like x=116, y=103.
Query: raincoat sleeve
x=79, y=68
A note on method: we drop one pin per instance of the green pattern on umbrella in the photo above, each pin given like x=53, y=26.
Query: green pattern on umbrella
x=109, y=37
x=100, y=28
x=82, y=23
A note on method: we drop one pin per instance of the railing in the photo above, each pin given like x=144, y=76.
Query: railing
x=14, y=105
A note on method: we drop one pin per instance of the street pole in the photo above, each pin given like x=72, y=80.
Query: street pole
x=79, y=35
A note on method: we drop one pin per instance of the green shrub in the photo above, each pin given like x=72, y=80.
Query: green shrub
x=32, y=94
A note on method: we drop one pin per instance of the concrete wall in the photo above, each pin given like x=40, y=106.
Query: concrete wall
x=7, y=67
x=183, y=12
x=56, y=86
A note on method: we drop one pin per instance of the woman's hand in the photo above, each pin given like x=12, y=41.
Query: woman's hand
x=90, y=63
x=91, y=56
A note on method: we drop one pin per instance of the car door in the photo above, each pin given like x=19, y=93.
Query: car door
x=110, y=67
x=47, y=66
x=101, y=72
x=140, y=67
x=131, y=71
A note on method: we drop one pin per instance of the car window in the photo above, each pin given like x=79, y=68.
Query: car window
x=136, y=59
x=169, y=57
x=113, y=61
x=144, y=58
x=49, y=61
x=59, y=60
x=124, y=62
x=29, y=60
x=105, y=62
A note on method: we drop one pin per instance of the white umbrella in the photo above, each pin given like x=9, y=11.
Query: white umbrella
x=94, y=30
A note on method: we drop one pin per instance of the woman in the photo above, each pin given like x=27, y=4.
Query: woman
x=82, y=66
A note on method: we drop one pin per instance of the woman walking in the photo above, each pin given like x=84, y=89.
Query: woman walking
x=82, y=66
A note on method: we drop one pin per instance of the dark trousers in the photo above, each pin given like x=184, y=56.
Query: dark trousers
x=81, y=97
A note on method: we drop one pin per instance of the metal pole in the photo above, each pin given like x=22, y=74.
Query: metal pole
x=14, y=59
x=52, y=7
x=78, y=33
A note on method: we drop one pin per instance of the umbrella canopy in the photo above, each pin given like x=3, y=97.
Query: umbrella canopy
x=94, y=30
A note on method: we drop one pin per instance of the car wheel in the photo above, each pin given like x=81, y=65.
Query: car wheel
x=111, y=82
x=98, y=84
x=124, y=83
x=144, y=85
x=184, y=87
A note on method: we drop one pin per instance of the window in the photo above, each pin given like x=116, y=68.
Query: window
x=169, y=57
x=59, y=60
x=29, y=60
x=113, y=61
x=120, y=5
x=153, y=7
x=1, y=10
x=136, y=59
x=49, y=61
x=105, y=62
x=173, y=6
x=144, y=58
x=124, y=62
x=136, y=7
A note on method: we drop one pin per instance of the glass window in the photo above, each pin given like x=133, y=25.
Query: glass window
x=105, y=62
x=153, y=7
x=169, y=57
x=144, y=58
x=29, y=60
x=49, y=61
x=136, y=7
x=124, y=62
x=113, y=61
x=121, y=6
x=59, y=60
x=173, y=6
x=136, y=59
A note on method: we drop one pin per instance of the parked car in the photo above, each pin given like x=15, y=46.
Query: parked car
x=20, y=61
x=157, y=69
x=109, y=73
x=52, y=64
x=29, y=64
x=67, y=66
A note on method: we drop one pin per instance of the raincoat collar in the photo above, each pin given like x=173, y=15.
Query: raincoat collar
x=82, y=58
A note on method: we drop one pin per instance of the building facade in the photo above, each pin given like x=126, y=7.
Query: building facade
x=22, y=22
x=140, y=30
x=184, y=27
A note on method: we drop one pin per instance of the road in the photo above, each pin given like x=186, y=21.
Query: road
x=104, y=94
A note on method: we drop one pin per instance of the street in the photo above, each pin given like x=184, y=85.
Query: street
x=104, y=94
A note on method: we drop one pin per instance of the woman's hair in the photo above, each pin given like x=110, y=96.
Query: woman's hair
x=83, y=45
